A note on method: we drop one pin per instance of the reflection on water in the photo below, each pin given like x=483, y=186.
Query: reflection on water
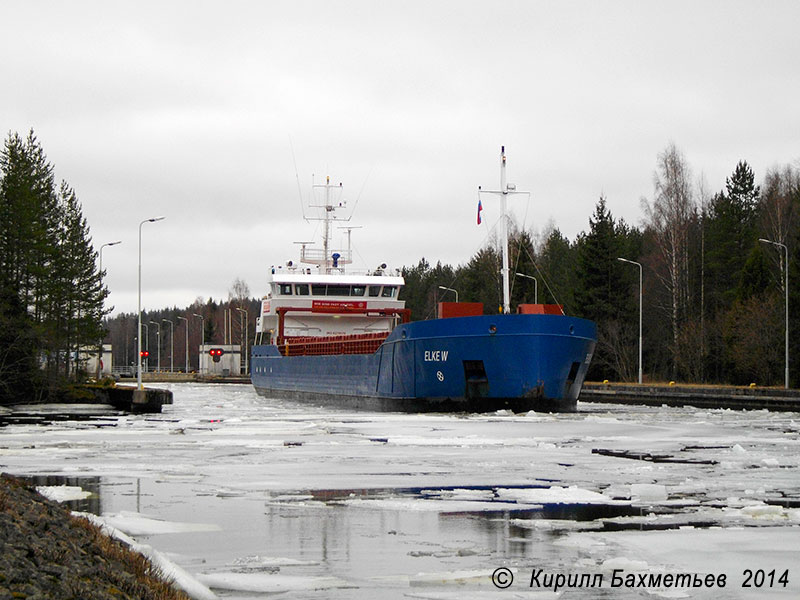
x=91, y=504
x=327, y=533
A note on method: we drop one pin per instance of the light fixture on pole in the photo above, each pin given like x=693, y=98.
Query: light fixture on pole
x=158, y=346
x=100, y=271
x=186, y=352
x=786, y=287
x=146, y=347
x=202, y=343
x=172, y=344
x=139, y=304
x=535, y=286
x=246, y=340
x=633, y=262
x=441, y=287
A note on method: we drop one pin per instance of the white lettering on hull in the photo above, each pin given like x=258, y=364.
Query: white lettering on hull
x=436, y=355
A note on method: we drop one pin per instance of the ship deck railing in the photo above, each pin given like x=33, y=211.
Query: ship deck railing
x=359, y=343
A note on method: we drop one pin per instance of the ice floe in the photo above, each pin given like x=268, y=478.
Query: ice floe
x=555, y=495
x=135, y=524
x=63, y=493
x=268, y=583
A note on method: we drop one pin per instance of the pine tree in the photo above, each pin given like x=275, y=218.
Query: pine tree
x=481, y=280
x=730, y=231
x=27, y=229
x=19, y=373
x=84, y=293
x=601, y=291
x=415, y=290
x=557, y=270
x=52, y=292
x=755, y=277
x=598, y=275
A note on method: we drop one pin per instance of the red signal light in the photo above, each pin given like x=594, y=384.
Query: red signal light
x=145, y=354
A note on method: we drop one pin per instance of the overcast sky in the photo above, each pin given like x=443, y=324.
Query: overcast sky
x=194, y=110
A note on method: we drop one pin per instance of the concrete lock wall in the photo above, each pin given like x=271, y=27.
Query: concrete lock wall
x=229, y=363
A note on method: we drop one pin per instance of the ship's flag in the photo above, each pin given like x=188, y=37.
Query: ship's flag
x=480, y=208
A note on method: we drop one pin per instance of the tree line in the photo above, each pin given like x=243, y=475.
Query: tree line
x=712, y=295
x=712, y=290
x=173, y=336
x=51, y=292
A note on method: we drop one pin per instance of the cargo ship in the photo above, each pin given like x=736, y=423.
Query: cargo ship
x=332, y=337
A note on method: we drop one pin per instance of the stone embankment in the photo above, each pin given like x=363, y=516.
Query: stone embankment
x=46, y=553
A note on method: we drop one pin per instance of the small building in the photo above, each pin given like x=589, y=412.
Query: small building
x=86, y=361
x=220, y=359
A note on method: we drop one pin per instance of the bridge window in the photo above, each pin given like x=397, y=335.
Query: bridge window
x=374, y=291
x=388, y=291
x=301, y=289
x=338, y=290
x=286, y=289
x=357, y=290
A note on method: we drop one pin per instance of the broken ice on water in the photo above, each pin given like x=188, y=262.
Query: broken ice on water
x=246, y=496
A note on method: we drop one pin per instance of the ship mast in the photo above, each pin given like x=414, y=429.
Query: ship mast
x=327, y=227
x=326, y=258
x=505, y=190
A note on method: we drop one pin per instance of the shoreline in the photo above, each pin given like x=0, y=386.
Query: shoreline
x=50, y=553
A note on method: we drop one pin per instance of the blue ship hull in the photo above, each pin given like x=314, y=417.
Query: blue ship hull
x=483, y=363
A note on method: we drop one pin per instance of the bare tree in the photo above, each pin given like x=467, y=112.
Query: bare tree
x=239, y=292
x=779, y=215
x=670, y=216
x=617, y=349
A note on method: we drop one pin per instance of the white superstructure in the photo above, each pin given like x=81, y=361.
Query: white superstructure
x=325, y=300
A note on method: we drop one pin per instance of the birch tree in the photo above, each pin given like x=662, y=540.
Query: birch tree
x=779, y=211
x=669, y=216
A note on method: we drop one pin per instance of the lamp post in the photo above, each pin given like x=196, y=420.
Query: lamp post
x=535, y=286
x=246, y=338
x=172, y=344
x=139, y=304
x=100, y=270
x=786, y=287
x=441, y=287
x=186, y=352
x=202, y=343
x=158, y=346
x=146, y=346
x=633, y=262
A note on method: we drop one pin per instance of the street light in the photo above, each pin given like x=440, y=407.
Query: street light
x=441, y=287
x=139, y=305
x=158, y=346
x=146, y=346
x=172, y=343
x=246, y=338
x=100, y=253
x=535, y=286
x=786, y=287
x=633, y=262
x=202, y=343
x=186, y=352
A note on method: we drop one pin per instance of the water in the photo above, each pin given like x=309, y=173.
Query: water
x=254, y=496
